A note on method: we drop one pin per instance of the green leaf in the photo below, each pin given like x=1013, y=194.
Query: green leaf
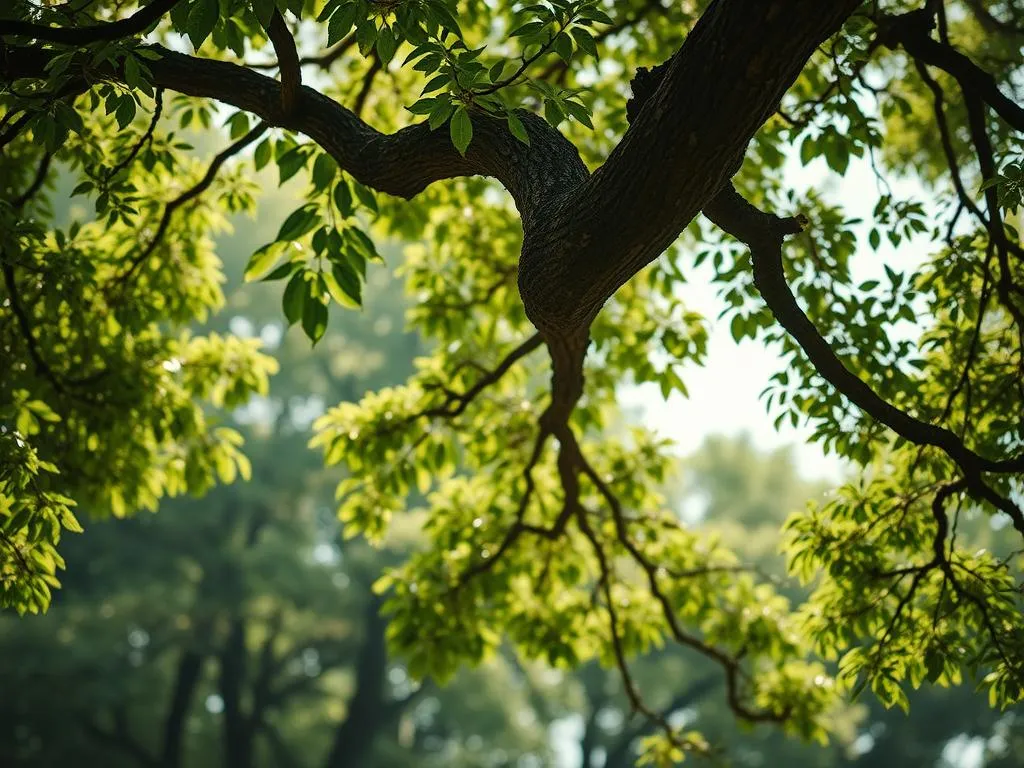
x=324, y=170
x=201, y=19
x=423, y=106
x=238, y=125
x=261, y=156
x=281, y=272
x=441, y=112
x=553, y=112
x=808, y=150
x=579, y=112
x=290, y=163
x=366, y=35
x=343, y=198
x=366, y=196
x=314, y=318
x=363, y=243
x=348, y=281
x=562, y=45
x=386, y=45
x=262, y=260
x=298, y=223
x=263, y=9
x=436, y=83
x=341, y=23
x=515, y=125
x=294, y=298
x=494, y=73
x=125, y=112
x=736, y=327
x=530, y=28
x=461, y=129
x=584, y=40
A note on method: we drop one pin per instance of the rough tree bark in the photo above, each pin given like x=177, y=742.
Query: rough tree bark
x=584, y=235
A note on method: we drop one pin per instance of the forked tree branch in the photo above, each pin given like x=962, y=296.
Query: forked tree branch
x=287, y=60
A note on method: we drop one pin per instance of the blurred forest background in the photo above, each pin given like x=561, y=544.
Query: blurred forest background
x=240, y=630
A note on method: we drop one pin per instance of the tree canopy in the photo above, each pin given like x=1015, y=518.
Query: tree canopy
x=544, y=165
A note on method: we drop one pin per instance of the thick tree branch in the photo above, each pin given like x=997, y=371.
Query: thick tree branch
x=725, y=81
x=401, y=164
x=135, y=24
x=287, y=61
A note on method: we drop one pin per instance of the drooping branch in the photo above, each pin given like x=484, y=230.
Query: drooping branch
x=135, y=24
x=734, y=675
x=189, y=194
x=912, y=31
x=764, y=233
x=147, y=136
x=619, y=754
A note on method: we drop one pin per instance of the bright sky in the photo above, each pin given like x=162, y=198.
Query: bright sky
x=725, y=394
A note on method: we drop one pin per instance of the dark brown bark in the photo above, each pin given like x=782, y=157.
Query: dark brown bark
x=367, y=711
x=237, y=738
x=687, y=141
x=190, y=667
x=585, y=236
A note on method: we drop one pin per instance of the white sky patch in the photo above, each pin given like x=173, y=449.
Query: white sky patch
x=725, y=395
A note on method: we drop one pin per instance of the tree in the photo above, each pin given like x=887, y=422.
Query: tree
x=546, y=529
x=231, y=630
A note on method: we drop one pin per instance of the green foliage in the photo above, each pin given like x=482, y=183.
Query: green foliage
x=566, y=550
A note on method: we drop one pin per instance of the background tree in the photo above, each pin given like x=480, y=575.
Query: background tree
x=546, y=530
x=233, y=630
